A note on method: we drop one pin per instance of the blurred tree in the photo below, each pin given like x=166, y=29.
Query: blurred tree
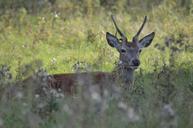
x=32, y=6
x=89, y=7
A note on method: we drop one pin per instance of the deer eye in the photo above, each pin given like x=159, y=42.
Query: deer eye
x=123, y=50
x=120, y=40
x=140, y=51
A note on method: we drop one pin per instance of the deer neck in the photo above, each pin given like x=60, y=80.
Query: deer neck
x=125, y=74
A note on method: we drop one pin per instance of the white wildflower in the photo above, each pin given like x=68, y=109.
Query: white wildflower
x=1, y=122
x=168, y=117
x=24, y=104
x=41, y=105
x=59, y=90
x=56, y=15
x=132, y=116
x=106, y=93
x=168, y=111
x=53, y=92
x=37, y=95
x=43, y=18
x=53, y=60
x=67, y=109
x=19, y=95
x=61, y=95
x=122, y=106
x=95, y=96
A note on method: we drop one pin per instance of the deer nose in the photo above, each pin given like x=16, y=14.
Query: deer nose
x=136, y=62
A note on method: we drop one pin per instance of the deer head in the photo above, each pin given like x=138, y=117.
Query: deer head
x=129, y=50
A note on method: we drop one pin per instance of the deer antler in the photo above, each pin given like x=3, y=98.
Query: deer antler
x=135, y=38
x=118, y=30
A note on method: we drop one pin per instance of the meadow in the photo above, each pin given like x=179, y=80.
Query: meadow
x=69, y=36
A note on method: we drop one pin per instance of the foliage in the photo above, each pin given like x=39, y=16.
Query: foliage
x=42, y=37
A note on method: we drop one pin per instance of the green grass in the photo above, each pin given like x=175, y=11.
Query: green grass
x=57, y=43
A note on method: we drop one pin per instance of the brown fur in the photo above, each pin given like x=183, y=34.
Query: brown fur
x=68, y=82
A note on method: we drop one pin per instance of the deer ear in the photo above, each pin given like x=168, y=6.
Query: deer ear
x=146, y=41
x=112, y=40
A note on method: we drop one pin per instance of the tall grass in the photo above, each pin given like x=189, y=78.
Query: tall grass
x=66, y=36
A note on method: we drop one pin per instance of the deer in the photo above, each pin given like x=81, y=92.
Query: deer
x=129, y=52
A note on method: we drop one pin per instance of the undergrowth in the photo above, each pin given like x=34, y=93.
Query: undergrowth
x=68, y=37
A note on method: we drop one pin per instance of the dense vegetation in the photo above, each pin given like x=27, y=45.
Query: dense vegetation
x=42, y=37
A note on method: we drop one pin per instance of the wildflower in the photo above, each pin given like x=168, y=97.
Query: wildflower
x=19, y=95
x=167, y=111
x=132, y=116
x=1, y=122
x=130, y=113
x=122, y=106
x=56, y=15
x=37, y=95
x=53, y=92
x=67, y=109
x=43, y=18
x=95, y=96
x=41, y=105
x=94, y=93
x=61, y=95
x=168, y=117
x=59, y=90
x=53, y=60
